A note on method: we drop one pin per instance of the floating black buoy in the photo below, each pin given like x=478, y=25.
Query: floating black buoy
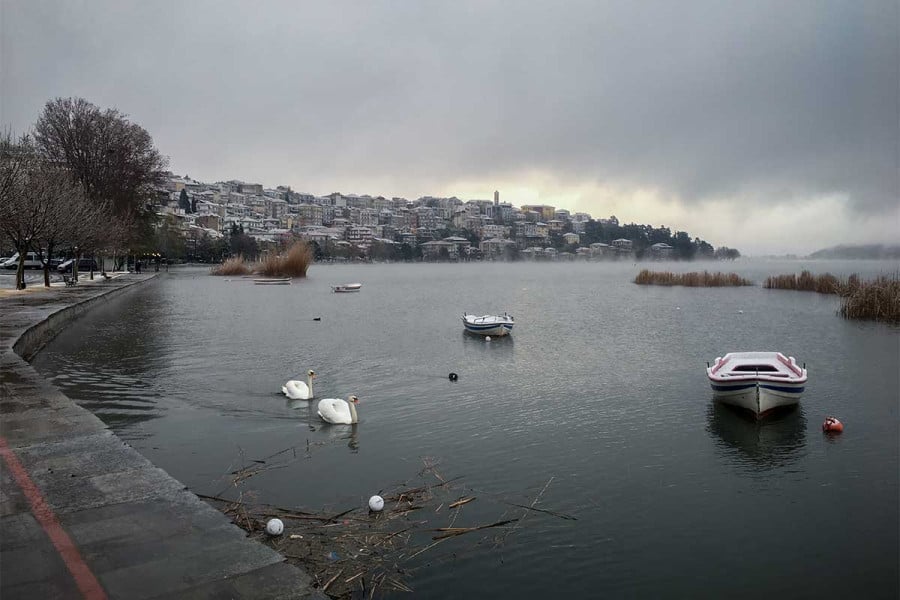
x=453, y=376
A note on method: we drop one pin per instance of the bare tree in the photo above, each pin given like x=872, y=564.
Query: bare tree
x=79, y=224
x=113, y=159
x=32, y=197
x=42, y=207
x=116, y=239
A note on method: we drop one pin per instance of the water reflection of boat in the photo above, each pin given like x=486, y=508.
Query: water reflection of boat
x=505, y=341
x=767, y=443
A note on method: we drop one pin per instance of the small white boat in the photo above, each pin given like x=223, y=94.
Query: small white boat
x=273, y=281
x=346, y=287
x=497, y=325
x=757, y=381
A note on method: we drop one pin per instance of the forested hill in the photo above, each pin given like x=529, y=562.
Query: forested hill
x=870, y=251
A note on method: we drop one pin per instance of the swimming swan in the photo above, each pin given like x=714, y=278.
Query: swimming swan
x=339, y=412
x=297, y=390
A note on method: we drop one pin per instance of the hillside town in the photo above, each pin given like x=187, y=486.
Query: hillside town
x=349, y=226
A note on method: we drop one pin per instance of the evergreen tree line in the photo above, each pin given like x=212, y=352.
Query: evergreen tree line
x=644, y=236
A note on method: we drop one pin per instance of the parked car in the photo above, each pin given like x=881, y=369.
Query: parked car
x=32, y=261
x=84, y=265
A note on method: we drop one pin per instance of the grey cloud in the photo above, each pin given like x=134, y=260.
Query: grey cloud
x=767, y=101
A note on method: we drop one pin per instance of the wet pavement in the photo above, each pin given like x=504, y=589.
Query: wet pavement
x=82, y=514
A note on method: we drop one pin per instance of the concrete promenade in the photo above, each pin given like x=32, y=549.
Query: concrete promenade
x=82, y=514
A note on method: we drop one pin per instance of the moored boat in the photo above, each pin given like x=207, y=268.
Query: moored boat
x=273, y=281
x=346, y=287
x=757, y=381
x=497, y=325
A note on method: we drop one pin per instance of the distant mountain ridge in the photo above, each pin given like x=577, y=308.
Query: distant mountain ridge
x=868, y=251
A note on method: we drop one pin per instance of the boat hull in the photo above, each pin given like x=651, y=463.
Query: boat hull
x=488, y=325
x=271, y=282
x=346, y=288
x=758, y=397
x=494, y=330
x=757, y=381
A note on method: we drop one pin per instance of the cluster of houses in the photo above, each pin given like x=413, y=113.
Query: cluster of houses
x=267, y=215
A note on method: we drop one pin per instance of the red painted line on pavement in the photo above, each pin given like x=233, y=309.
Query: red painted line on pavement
x=84, y=578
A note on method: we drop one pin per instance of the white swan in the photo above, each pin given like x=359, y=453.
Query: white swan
x=297, y=390
x=339, y=412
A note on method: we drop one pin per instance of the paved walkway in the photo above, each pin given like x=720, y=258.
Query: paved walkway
x=82, y=514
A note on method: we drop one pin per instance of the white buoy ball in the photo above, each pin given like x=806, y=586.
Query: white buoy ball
x=376, y=503
x=487, y=338
x=274, y=527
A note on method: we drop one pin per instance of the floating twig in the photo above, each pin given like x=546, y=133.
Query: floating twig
x=399, y=585
x=533, y=502
x=330, y=581
x=544, y=510
x=428, y=547
x=461, y=501
x=421, y=489
x=454, y=531
x=396, y=533
x=354, y=577
x=216, y=498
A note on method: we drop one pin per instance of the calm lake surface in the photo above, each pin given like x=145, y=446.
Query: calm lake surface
x=600, y=391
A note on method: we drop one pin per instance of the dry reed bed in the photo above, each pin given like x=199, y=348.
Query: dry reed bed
x=695, y=279
x=294, y=263
x=877, y=300
x=807, y=282
x=874, y=300
x=232, y=266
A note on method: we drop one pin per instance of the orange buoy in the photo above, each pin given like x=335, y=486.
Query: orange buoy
x=832, y=425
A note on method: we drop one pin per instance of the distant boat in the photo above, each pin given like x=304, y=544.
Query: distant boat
x=346, y=287
x=757, y=381
x=497, y=325
x=273, y=281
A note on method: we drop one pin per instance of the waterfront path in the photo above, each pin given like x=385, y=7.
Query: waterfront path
x=82, y=514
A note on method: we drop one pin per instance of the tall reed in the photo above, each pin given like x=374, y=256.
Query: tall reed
x=807, y=282
x=294, y=263
x=232, y=266
x=704, y=279
x=876, y=300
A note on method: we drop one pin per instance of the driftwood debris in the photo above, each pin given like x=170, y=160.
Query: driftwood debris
x=452, y=531
x=357, y=553
x=461, y=501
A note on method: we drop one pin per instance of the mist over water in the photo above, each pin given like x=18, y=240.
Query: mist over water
x=601, y=387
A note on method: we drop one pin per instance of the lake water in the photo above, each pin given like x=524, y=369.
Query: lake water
x=600, y=391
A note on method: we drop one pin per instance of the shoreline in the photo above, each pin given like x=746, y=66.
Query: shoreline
x=84, y=515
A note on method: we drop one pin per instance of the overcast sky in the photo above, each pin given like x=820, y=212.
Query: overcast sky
x=771, y=127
